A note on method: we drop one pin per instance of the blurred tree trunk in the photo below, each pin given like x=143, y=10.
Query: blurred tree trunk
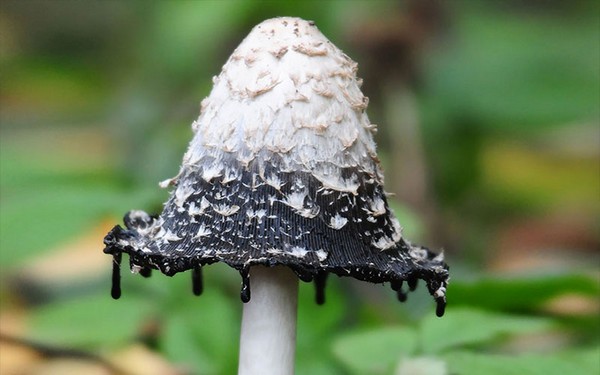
x=391, y=48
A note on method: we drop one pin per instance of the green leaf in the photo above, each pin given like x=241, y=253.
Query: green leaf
x=518, y=76
x=211, y=324
x=519, y=293
x=465, y=363
x=319, y=366
x=55, y=214
x=185, y=33
x=588, y=359
x=317, y=325
x=181, y=346
x=91, y=321
x=468, y=326
x=375, y=351
x=317, y=322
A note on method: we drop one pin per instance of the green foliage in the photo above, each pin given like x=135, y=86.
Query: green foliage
x=466, y=340
x=91, y=321
x=504, y=72
x=54, y=200
x=520, y=293
x=316, y=328
x=182, y=347
x=201, y=334
x=506, y=75
x=470, y=327
x=469, y=363
x=375, y=351
x=86, y=136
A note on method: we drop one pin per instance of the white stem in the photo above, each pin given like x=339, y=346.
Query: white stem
x=268, y=338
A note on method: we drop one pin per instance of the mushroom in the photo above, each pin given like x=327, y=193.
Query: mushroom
x=281, y=181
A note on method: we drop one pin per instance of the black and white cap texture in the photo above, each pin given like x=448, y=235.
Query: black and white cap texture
x=282, y=170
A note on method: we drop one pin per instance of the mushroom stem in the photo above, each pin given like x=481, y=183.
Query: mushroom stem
x=268, y=335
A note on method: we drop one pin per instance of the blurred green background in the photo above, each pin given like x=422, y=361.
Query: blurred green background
x=489, y=132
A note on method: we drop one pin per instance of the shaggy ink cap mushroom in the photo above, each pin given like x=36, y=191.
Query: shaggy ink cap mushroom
x=282, y=170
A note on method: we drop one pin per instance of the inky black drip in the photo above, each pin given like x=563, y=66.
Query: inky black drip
x=320, y=281
x=412, y=283
x=277, y=236
x=115, y=290
x=245, y=291
x=401, y=295
x=197, y=285
x=146, y=272
x=440, y=306
x=396, y=285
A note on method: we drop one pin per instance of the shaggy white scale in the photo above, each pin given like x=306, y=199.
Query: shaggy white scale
x=282, y=171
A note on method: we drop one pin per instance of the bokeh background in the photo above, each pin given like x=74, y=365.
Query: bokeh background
x=489, y=132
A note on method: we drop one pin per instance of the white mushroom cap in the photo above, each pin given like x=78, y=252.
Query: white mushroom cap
x=288, y=90
x=282, y=170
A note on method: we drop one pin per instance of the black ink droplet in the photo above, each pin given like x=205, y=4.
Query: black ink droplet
x=412, y=283
x=197, y=286
x=441, y=306
x=115, y=290
x=320, y=281
x=146, y=272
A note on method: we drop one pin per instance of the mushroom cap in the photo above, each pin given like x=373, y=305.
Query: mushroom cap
x=282, y=170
